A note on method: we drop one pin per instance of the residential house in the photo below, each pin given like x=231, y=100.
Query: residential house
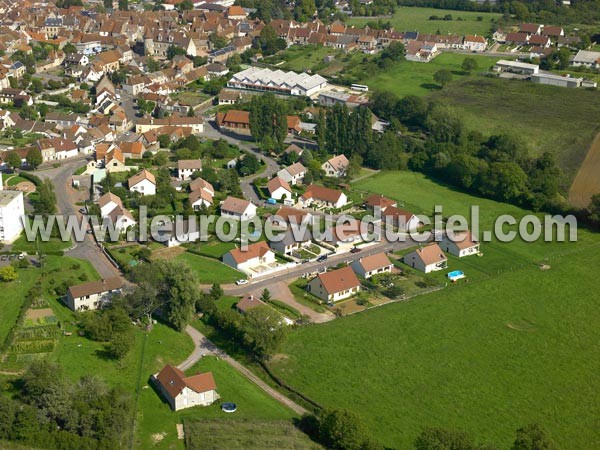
x=335, y=285
x=279, y=189
x=12, y=211
x=379, y=201
x=235, y=121
x=249, y=302
x=585, y=58
x=182, y=392
x=322, y=196
x=372, y=265
x=400, y=219
x=293, y=174
x=475, y=43
x=286, y=217
x=463, y=244
x=93, y=294
x=336, y=166
x=143, y=182
x=186, y=167
x=181, y=232
x=427, y=259
x=132, y=150
x=254, y=255
x=237, y=208
x=200, y=198
x=291, y=241
x=108, y=202
x=121, y=219
x=196, y=124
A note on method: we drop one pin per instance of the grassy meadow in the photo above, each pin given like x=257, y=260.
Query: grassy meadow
x=416, y=78
x=208, y=270
x=407, y=18
x=157, y=423
x=514, y=345
x=562, y=121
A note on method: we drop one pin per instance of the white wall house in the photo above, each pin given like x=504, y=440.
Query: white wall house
x=372, y=265
x=186, y=167
x=182, y=392
x=335, y=286
x=293, y=174
x=143, y=182
x=279, y=189
x=238, y=209
x=254, y=255
x=12, y=210
x=108, y=202
x=92, y=295
x=427, y=259
x=322, y=196
x=181, y=232
x=336, y=167
x=462, y=245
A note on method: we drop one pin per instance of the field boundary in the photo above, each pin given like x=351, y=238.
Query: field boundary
x=587, y=181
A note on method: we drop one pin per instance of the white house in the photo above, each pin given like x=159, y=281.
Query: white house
x=108, y=202
x=200, y=198
x=291, y=241
x=93, y=294
x=121, y=218
x=323, y=196
x=463, y=244
x=336, y=166
x=293, y=174
x=372, y=265
x=184, y=392
x=335, y=285
x=12, y=210
x=143, y=182
x=279, y=189
x=237, y=208
x=254, y=255
x=186, y=167
x=475, y=43
x=427, y=259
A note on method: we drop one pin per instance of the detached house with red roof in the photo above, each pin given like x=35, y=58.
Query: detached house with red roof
x=182, y=392
x=143, y=182
x=238, y=209
x=336, y=166
x=334, y=286
x=323, y=196
x=254, y=255
x=372, y=265
x=279, y=189
x=475, y=43
x=427, y=259
x=463, y=244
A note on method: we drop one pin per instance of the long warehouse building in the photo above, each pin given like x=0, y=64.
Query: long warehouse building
x=277, y=82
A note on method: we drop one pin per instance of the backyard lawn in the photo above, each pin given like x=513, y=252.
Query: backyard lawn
x=157, y=423
x=417, y=19
x=514, y=345
x=416, y=78
x=208, y=270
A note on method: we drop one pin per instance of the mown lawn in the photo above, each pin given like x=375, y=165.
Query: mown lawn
x=213, y=249
x=417, y=19
x=156, y=418
x=514, y=345
x=53, y=245
x=563, y=122
x=416, y=78
x=208, y=270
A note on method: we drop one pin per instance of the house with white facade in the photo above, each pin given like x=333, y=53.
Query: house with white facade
x=291, y=241
x=93, y=294
x=322, y=196
x=186, y=167
x=253, y=255
x=121, y=219
x=336, y=167
x=334, y=286
x=182, y=392
x=372, y=265
x=399, y=219
x=238, y=209
x=279, y=189
x=462, y=244
x=293, y=174
x=181, y=232
x=143, y=182
x=12, y=211
x=108, y=202
x=475, y=43
x=427, y=259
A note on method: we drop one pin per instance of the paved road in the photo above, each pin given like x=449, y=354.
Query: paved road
x=204, y=347
x=88, y=249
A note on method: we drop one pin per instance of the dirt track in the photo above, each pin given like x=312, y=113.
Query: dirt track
x=587, y=180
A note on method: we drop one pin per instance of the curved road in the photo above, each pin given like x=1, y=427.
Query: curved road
x=204, y=347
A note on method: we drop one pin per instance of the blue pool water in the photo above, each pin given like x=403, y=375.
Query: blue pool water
x=455, y=274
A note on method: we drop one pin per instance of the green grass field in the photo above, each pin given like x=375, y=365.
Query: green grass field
x=416, y=78
x=564, y=121
x=417, y=19
x=208, y=270
x=156, y=418
x=245, y=435
x=214, y=249
x=515, y=345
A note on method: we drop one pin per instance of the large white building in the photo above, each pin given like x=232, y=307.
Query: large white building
x=12, y=211
x=277, y=82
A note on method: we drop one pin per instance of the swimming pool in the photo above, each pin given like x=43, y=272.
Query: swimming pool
x=455, y=275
